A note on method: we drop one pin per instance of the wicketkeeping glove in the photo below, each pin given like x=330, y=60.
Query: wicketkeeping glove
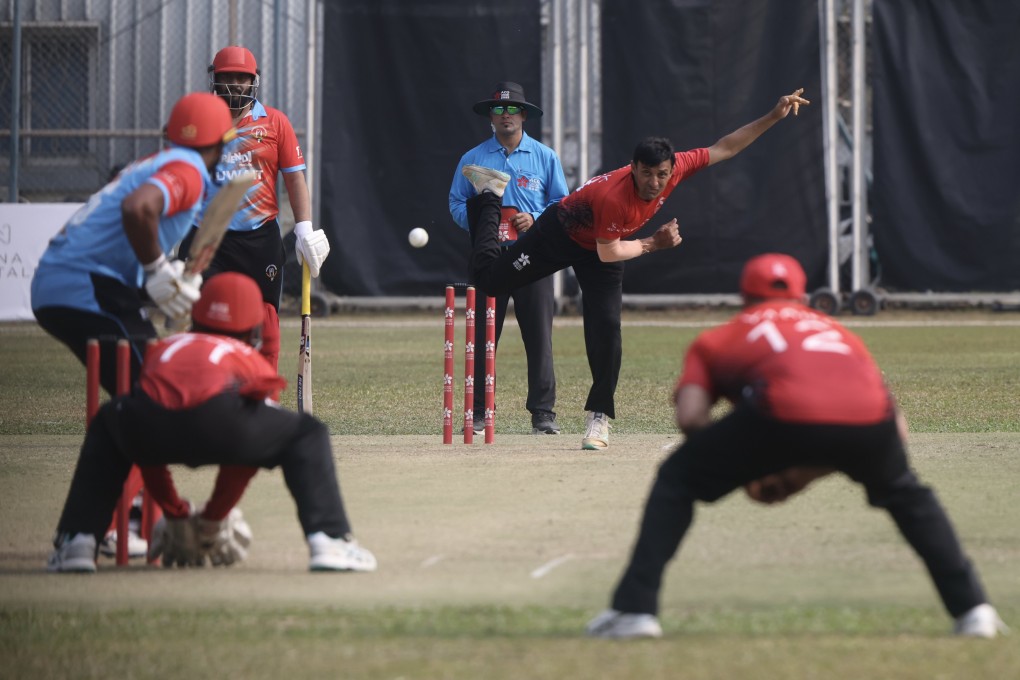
x=173, y=291
x=225, y=542
x=311, y=246
x=176, y=540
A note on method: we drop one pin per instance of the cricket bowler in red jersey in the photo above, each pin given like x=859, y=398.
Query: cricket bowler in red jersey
x=588, y=231
x=808, y=400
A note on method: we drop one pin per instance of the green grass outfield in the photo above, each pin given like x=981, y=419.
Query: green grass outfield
x=492, y=558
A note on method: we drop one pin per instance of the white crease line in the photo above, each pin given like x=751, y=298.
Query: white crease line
x=431, y=561
x=549, y=566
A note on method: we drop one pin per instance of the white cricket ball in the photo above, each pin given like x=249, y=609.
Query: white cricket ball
x=418, y=237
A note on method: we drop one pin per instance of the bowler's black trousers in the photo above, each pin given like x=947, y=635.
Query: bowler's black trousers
x=534, y=307
x=543, y=250
x=225, y=430
x=744, y=446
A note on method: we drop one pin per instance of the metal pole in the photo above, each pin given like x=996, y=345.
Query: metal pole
x=830, y=102
x=12, y=191
x=309, y=145
x=277, y=75
x=232, y=28
x=582, y=63
x=859, y=196
x=557, y=30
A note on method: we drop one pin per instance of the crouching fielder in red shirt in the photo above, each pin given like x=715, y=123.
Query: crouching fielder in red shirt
x=201, y=399
x=808, y=400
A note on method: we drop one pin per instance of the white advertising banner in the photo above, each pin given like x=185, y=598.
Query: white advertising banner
x=25, y=229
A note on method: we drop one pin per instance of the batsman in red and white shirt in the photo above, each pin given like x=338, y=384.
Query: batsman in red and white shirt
x=267, y=145
x=807, y=400
x=203, y=399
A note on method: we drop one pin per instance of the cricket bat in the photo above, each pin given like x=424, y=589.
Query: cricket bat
x=211, y=230
x=304, y=377
x=215, y=221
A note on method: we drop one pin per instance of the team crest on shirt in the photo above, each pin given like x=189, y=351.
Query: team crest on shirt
x=522, y=262
x=258, y=133
x=272, y=272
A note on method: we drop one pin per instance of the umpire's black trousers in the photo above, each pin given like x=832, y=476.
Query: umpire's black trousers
x=744, y=446
x=225, y=430
x=543, y=250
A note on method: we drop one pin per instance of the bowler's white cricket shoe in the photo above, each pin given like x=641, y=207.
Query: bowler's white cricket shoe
x=617, y=625
x=982, y=621
x=486, y=179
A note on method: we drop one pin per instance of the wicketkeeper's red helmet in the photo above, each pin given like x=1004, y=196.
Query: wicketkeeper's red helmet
x=200, y=119
x=230, y=302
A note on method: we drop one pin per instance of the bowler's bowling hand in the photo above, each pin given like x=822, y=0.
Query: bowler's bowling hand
x=789, y=102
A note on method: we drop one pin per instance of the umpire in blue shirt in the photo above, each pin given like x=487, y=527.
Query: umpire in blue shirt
x=536, y=182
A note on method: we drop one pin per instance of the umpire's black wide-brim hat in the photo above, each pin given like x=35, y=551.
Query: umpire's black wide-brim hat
x=507, y=93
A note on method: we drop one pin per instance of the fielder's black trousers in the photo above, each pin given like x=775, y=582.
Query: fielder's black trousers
x=543, y=250
x=744, y=446
x=225, y=430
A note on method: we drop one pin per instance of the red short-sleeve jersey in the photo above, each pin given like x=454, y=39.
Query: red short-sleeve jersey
x=608, y=206
x=183, y=184
x=793, y=364
x=188, y=369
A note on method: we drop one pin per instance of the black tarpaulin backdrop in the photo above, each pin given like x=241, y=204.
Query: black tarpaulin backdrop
x=400, y=77
x=399, y=80
x=946, y=195
x=694, y=71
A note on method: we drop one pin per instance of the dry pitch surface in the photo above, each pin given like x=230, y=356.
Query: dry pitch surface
x=531, y=521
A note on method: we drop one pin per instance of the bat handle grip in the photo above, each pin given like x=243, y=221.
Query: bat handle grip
x=306, y=290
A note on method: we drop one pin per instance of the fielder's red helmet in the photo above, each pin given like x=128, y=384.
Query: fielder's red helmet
x=230, y=302
x=200, y=119
x=773, y=275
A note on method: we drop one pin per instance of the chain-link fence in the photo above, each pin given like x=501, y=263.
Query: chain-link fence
x=96, y=79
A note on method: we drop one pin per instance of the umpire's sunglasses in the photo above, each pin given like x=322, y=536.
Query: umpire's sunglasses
x=510, y=108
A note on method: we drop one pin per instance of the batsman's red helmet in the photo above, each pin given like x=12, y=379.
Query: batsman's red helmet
x=230, y=302
x=200, y=119
x=773, y=275
x=235, y=59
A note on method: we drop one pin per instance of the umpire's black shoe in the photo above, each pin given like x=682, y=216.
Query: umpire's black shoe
x=479, y=426
x=544, y=422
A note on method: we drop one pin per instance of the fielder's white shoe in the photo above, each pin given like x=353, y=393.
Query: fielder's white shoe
x=338, y=554
x=596, y=432
x=486, y=179
x=982, y=622
x=617, y=625
x=74, y=554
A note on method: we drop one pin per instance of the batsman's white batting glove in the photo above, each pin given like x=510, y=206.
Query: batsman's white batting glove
x=225, y=542
x=311, y=246
x=176, y=541
x=173, y=291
